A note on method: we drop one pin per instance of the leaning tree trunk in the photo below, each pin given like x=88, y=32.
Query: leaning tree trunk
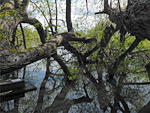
x=11, y=14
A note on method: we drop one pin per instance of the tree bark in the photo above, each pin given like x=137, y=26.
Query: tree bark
x=11, y=61
x=68, y=16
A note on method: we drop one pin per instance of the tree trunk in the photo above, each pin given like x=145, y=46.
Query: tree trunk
x=68, y=16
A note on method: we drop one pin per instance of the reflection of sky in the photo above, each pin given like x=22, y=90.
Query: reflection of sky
x=34, y=74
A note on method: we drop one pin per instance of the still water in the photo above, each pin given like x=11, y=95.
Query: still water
x=55, y=95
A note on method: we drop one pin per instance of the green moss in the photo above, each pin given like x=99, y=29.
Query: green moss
x=13, y=50
x=29, y=49
x=21, y=52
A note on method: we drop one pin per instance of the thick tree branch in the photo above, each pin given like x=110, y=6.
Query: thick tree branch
x=68, y=16
x=16, y=3
x=25, y=5
x=75, y=52
x=62, y=38
x=37, y=25
x=14, y=36
x=11, y=61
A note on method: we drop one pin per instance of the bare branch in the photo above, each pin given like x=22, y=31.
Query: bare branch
x=50, y=20
x=56, y=16
x=87, y=5
x=23, y=35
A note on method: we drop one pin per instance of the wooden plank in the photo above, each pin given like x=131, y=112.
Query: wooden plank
x=7, y=98
x=11, y=85
x=16, y=93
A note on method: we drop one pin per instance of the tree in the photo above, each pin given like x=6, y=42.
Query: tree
x=116, y=61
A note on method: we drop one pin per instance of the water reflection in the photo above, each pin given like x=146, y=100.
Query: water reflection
x=55, y=95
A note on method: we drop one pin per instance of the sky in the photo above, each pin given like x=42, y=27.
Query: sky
x=81, y=18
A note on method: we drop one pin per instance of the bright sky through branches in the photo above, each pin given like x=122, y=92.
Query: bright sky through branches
x=83, y=17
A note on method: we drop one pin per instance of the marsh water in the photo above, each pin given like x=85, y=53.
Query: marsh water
x=55, y=95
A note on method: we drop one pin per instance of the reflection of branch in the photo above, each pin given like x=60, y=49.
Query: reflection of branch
x=59, y=103
x=145, y=109
x=121, y=99
x=62, y=64
x=86, y=93
x=42, y=89
x=140, y=83
x=117, y=96
x=101, y=90
x=147, y=66
x=82, y=99
x=56, y=74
